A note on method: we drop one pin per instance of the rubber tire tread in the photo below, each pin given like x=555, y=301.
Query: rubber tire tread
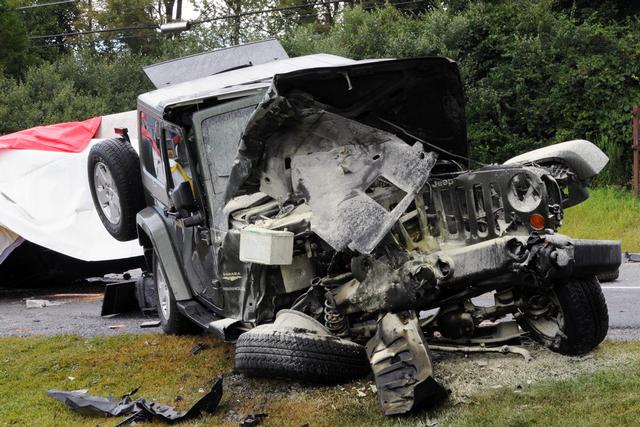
x=586, y=317
x=122, y=161
x=300, y=356
x=177, y=323
x=609, y=277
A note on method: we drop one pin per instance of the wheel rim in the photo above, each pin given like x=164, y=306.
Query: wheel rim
x=163, y=292
x=544, y=316
x=107, y=193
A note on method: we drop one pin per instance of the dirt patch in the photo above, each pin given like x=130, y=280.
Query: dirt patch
x=467, y=375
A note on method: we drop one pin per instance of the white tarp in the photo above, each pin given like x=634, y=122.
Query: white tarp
x=45, y=199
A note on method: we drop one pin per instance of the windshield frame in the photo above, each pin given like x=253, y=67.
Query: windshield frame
x=215, y=200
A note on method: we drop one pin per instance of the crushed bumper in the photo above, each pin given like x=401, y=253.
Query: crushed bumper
x=543, y=256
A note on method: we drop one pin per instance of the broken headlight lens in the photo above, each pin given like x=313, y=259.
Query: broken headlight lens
x=523, y=194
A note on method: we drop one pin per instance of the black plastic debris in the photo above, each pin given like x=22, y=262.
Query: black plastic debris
x=631, y=257
x=150, y=324
x=253, y=420
x=124, y=296
x=119, y=297
x=137, y=409
x=198, y=348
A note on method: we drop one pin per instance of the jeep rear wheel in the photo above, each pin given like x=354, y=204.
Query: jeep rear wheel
x=116, y=186
x=571, y=319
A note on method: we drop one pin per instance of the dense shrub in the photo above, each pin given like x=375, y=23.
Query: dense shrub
x=533, y=75
x=92, y=85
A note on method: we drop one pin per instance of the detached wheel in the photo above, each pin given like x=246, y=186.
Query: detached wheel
x=571, y=319
x=116, y=186
x=171, y=320
x=304, y=356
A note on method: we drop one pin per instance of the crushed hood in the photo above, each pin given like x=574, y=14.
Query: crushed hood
x=319, y=134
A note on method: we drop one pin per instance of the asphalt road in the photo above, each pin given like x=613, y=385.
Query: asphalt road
x=79, y=311
x=623, y=300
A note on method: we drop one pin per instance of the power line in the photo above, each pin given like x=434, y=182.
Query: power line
x=55, y=3
x=217, y=18
x=202, y=21
x=276, y=9
x=106, y=30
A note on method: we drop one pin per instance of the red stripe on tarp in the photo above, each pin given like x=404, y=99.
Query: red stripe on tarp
x=70, y=137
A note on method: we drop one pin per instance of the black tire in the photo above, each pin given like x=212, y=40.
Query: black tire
x=609, y=277
x=123, y=164
x=172, y=321
x=299, y=356
x=585, y=317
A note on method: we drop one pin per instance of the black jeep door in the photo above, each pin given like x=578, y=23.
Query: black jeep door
x=222, y=277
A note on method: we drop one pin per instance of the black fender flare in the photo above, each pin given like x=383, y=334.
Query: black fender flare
x=153, y=235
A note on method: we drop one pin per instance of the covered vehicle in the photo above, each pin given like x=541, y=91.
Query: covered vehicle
x=318, y=209
x=49, y=228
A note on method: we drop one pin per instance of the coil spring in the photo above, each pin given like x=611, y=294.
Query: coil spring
x=333, y=319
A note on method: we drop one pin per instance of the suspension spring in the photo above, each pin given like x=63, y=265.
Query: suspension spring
x=333, y=319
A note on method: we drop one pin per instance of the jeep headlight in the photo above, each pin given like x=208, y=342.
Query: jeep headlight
x=523, y=193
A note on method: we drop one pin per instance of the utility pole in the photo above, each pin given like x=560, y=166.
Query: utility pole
x=179, y=11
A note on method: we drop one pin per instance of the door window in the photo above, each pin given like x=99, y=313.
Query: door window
x=221, y=136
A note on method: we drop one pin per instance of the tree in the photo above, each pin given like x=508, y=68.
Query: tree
x=139, y=18
x=46, y=20
x=14, y=45
x=229, y=24
x=601, y=9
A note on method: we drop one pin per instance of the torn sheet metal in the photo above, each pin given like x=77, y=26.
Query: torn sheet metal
x=136, y=409
x=352, y=218
x=401, y=363
x=333, y=161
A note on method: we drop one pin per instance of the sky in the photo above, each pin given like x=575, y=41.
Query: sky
x=188, y=13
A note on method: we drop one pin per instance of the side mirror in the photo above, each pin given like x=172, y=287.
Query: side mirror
x=182, y=198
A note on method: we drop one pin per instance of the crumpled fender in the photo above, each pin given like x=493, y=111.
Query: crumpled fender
x=583, y=157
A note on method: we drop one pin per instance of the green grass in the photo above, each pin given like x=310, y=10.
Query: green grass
x=114, y=365
x=609, y=213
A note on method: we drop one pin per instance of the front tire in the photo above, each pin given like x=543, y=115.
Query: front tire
x=571, y=319
x=304, y=356
x=172, y=321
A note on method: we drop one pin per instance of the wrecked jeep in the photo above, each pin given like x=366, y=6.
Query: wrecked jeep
x=324, y=213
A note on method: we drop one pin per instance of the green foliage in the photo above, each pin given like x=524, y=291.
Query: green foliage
x=533, y=75
x=54, y=19
x=622, y=213
x=536, y=72
x=93, y=85
x=14, y=54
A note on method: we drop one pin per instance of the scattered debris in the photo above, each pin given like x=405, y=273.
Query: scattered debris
x=631, y=257
x=253, y=420
x=119, y=297
x=150, y=324
x=75, y=297
x=199, y=347
x=150, y=343
x=504, y=350
x=118, y=326
x=137, y=409
x=41, y=303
